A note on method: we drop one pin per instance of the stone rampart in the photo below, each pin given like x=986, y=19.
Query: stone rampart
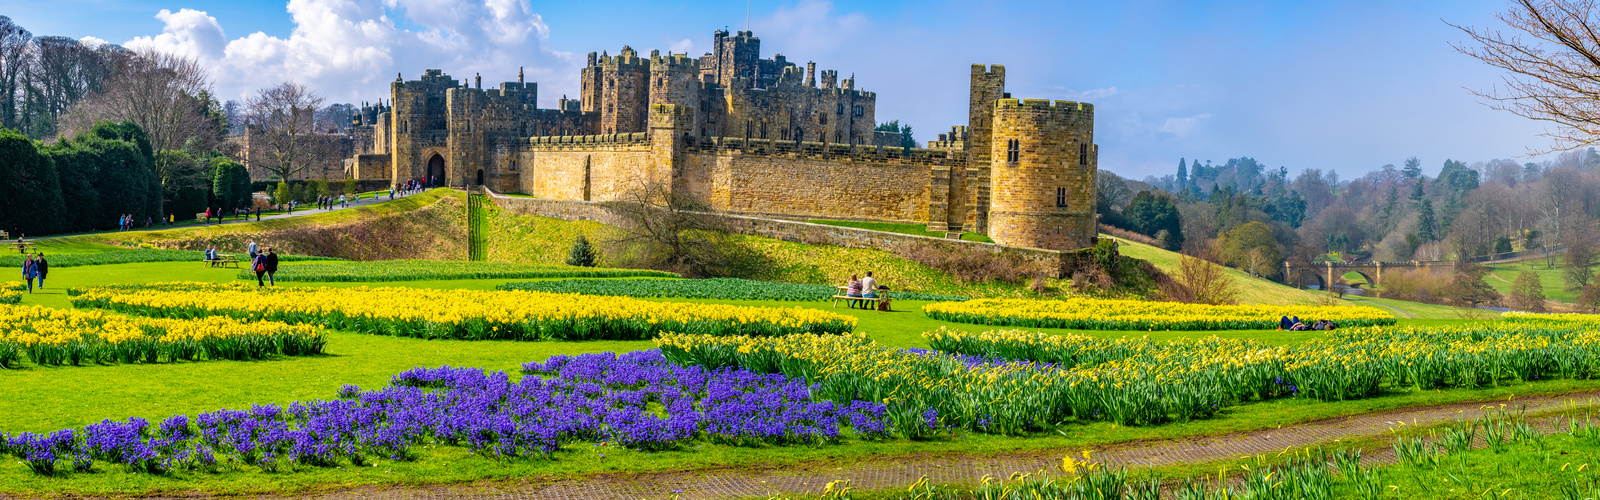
x=794, y=231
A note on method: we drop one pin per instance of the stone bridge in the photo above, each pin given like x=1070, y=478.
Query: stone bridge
x=1325, y=273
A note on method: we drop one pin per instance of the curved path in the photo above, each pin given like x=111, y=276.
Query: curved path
x=898, y=472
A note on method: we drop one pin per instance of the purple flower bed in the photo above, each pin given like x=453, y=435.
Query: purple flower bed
x=638, y=400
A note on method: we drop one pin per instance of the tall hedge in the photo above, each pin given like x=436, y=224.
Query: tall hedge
x=30, y=190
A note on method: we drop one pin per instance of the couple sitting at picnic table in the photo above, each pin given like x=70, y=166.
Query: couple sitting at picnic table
x=866, y=288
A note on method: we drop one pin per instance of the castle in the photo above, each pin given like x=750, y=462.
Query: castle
x=749, y=136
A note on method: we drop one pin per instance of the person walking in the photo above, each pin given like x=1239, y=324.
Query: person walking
x=252, y=248
x=270, y=262
x=30, y=271
x=258, y=263
x=258, y=213
x=41, y=267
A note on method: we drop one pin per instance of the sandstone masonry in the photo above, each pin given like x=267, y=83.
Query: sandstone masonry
x=751, y=136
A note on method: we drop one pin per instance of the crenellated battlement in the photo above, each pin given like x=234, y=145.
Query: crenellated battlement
x=674, y=62
x=626, y=60
x=568, y=142
x=1068, y=109
x=824, y=151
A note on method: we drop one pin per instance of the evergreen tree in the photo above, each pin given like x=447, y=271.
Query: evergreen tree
x=282, y=194
x=1413, y=168
x=582, y=254
x=1183, y=175
x=1416, y=193
x=1427, y=224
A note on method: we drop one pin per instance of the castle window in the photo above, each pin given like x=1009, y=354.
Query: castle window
x=513, y=165
x=1013, y=150
x=822, y=119
x=784, y=134
x=838, y=137
x=841, y=109
x=1061, y=197
x=1083, y=154
x=860, y=111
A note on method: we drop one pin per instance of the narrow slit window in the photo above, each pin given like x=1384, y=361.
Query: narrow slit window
x=1083, y=153
x=1013, y=150
x=1061, y=197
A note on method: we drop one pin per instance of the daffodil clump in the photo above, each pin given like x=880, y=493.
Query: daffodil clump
x=50, y=336
x=987, y=395
x=1016, y=381
x=1111, y=314
x=15, y=286
x=462, y=314
x=10, y=296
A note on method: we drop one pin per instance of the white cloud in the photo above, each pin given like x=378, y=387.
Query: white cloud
x=347, y=49
x=92, y=42
x=1181, y=126
x=684, y=46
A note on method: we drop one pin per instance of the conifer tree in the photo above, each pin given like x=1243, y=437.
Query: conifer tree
x=582, y=254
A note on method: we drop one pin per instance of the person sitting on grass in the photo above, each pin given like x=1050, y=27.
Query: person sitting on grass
x=854, y=290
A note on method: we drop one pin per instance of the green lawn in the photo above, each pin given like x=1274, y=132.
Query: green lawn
x=1502, y=276
x=889, y=227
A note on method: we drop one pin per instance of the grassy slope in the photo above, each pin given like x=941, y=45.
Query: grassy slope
x=522, y=238
x=1251, y=290
x=1551, y=278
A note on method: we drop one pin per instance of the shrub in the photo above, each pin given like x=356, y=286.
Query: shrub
x=1200, y=282
x=972, y=264
x=582, y=254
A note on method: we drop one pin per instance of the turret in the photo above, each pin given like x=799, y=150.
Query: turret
x=1043, y=164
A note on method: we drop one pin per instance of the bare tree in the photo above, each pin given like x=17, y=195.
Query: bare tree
x=672, y=231
x=14, y=61
x=282, y=129
x=1201, y=282
x=165, y=95
x=1552, y=75
x=65, y=70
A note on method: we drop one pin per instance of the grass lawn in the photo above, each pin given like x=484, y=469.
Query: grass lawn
x=1504, y=275
x=1251, y=290
x=889, y=227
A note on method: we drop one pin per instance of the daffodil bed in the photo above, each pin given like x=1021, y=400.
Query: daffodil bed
x=10, y=296
x=49, y=336
x=460, y=314
x=715, y=288
x=15, y=286
x=1112, y=314
x=1014, y=382
x=413, y=270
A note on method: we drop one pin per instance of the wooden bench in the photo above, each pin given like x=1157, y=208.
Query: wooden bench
x=224, y=259
x=874, y=300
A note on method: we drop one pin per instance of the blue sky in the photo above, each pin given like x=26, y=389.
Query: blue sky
x=1346, y=85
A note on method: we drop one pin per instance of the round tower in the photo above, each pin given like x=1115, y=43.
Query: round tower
x=1042, y=158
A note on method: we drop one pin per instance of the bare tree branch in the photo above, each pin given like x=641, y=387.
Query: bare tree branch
x=1553, y=75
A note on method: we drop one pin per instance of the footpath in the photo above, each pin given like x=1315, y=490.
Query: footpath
x=960, y=469
x=298, y=212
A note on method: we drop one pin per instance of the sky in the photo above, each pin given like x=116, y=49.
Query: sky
x=1346, y=86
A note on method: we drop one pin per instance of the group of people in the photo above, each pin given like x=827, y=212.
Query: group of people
x=866, y=288
x=1293, y=324
x=409, y=186
x=126, y=222
x=264, y=263
x=35, y=268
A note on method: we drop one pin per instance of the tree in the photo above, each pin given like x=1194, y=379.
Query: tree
x=1589, y=299
x=1201, y=282
x=1427, y=223
x=282, y=124
x=1527, y=293
x=1580, y=263
x=1253, y=248
x=281, y=194
x=1183, y=175
x=906, y=140
x=14, y=62
x=230, y=183
x=1413, y=168
x=1469, y=286
x=167, y=96
x=1111, y=195
x=582, y=254
x=1151, y=214
x=350, y=185
x=670, y=230
x=1551, y=75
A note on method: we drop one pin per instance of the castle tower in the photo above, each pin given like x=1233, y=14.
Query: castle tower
x=1043, y=163
x=668, y=125
x=589, y=85
x=988, y=86
x=624, y=92
x=736, y=56
x=675, y=79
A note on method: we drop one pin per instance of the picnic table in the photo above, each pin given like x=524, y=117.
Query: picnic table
x=22, y=245
x=880, y=302
x=223, y=259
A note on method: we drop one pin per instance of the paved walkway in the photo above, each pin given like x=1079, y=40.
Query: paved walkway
x=298, y=212
x=960, y=469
